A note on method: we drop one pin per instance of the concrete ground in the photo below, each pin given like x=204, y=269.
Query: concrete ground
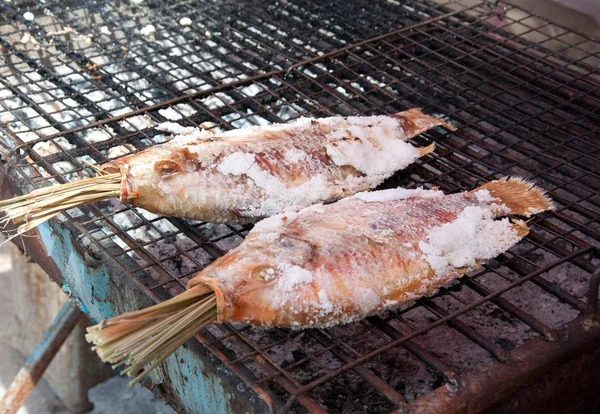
x=111, y=397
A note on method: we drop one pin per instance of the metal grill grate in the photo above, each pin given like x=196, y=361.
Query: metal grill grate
x=81, y=84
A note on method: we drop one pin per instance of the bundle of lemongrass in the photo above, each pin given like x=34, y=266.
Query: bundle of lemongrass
x=141, y=340
x=42, y=204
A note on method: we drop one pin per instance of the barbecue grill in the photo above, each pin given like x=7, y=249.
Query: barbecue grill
x=86, y=82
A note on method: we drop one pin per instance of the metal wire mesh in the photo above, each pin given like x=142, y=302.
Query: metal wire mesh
x=86, y=83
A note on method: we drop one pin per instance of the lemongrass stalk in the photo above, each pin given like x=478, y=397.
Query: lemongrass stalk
x=142, y=340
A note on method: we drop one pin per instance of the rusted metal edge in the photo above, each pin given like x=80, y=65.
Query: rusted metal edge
x=35, y=366
x=528, y=364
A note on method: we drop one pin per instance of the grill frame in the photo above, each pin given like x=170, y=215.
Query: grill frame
x=462, y=160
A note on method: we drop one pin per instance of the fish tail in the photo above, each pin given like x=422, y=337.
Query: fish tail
x=426, y=150
x=520, y=227
x=522, y=197
x=416, y=115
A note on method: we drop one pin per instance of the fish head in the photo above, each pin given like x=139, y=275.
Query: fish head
x=153, y=178
x=258, y=261
x=251, y=276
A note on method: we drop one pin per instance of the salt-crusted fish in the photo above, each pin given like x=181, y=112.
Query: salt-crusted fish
x=247, y=174
x=337, y=263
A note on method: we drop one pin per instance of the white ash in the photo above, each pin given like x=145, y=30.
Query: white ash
x=175, y=128
x=148, y=30
x=185, y=21
x=96, y=135
x=186, y=109
x=29, y=39
x=116, y=152
x=137, y=123
x=170, y=113
x=251, y=90
x=64, y=31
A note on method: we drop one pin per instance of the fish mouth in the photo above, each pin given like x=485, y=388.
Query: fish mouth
x=128, y=189
x=223, y=295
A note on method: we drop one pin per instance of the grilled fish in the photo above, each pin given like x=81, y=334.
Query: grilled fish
x=337, y=263
x=251, y=173
x=243, y=175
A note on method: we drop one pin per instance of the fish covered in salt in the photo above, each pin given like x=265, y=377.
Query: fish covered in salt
x=247, y=174
x=337, y=263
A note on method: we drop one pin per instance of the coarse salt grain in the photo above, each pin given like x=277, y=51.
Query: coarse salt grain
x=292, y=276
x=278, y=194
x=105, y=31
x=484, y=196
x=237, y=163
x=473, y=236
x=97, y=136
x=395, y=194
x=185, y=21
x=29, y=16
x=376, y=145
x=324, y=302
x=294, y=155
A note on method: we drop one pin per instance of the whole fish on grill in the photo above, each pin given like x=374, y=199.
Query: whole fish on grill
x=333, y=264
x=246, y=174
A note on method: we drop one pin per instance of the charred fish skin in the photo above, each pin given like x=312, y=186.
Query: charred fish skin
x=243, y=175
x=338, y=263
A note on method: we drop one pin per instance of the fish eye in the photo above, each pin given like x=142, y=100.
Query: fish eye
x=265, y=273
x=166, y=167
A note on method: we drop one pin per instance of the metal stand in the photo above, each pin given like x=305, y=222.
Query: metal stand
x=36, y=364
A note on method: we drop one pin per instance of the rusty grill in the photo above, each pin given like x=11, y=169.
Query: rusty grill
x=85, y=82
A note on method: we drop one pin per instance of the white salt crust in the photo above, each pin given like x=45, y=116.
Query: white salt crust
x=395, y=194
x=473, y=236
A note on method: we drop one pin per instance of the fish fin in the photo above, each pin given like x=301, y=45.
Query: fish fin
x=522, y=197
x=520, y=227
x=416, y=115
x=426, y=150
